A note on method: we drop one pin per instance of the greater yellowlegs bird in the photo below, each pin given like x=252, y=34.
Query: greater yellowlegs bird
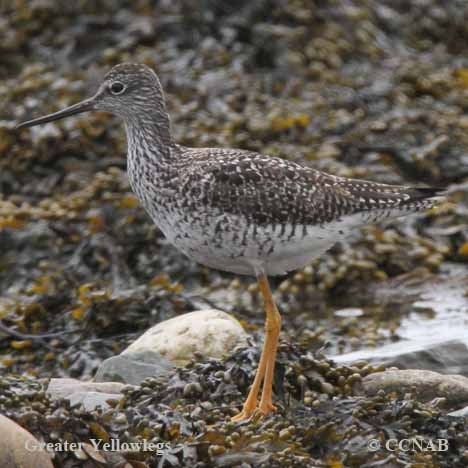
x=236, y=210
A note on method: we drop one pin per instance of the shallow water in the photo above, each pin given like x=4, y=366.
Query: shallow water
x=435, y=319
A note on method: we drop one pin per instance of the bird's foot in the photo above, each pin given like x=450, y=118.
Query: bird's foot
x=247, y=412
x=250, y=405
x=243, y=415
x=266, y=407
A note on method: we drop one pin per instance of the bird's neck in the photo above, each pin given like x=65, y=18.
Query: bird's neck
x=149, y=137
x=150, y=158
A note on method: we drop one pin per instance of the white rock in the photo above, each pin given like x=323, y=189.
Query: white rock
x=211, y=333
x=64, y=387
x=92, y=400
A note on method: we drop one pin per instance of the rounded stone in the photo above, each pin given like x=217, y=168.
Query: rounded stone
x=207, y=333
x=20, y=448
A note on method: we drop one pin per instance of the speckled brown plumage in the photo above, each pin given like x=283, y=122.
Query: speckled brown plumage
x=232, y=209
x=236, y=210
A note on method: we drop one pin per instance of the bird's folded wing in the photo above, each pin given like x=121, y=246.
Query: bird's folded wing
x=269, y=190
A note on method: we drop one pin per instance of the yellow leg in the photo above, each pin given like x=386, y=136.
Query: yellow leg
x=266, y=365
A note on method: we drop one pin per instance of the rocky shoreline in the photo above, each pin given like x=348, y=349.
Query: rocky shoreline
x=328, y=415
x=374, y=338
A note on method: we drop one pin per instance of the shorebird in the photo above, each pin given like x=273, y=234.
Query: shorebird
x=235, y=210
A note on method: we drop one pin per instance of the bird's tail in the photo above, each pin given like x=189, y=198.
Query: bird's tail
x=421, y=198
x=379, y=201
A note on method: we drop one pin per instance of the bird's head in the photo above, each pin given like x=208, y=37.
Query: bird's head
x=129, y=91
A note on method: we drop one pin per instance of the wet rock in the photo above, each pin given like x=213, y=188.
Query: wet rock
x=133, y=367
x=93, y=400
x=19, y=448
x=209, y=333
x=89, y=394
x=426, y=385
x=446, y=357
x=461, y=413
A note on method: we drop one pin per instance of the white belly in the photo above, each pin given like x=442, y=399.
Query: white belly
x=239, y=250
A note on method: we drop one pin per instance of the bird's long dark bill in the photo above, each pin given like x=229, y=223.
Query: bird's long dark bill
x=82, y=106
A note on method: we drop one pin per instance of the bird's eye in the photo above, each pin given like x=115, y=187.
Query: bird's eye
x=117, y=88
